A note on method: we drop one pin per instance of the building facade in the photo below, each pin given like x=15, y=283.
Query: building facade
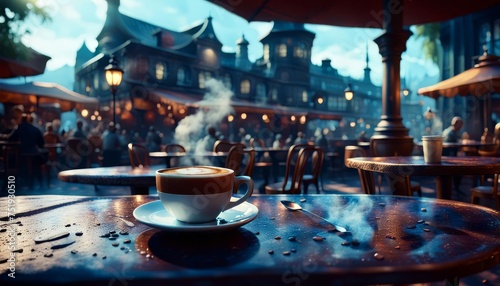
x=166, y=74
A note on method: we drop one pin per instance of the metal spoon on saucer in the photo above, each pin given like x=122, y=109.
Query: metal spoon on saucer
x=296, y=207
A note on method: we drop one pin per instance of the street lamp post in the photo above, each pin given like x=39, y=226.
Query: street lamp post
x=114, y=77
x=348, y=93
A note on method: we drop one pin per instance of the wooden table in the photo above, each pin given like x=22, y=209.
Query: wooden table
x=392, y=240
x=139, y=179
x=416, y=166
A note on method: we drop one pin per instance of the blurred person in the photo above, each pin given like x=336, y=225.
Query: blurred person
x=210, y=138
x=79, y=133
x=362, y=137
x=111, y=148
x=277, y=143
x=301, y=139
x=31, y=143
x=452, y=133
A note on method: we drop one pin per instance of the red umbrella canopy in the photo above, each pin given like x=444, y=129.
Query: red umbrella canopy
x=351, y=13
x=482, y=79
x=33, y=64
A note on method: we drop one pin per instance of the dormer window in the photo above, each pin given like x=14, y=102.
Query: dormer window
x=299, y=51
x=266, y=53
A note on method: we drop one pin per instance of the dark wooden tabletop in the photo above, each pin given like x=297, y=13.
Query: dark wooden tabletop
x=416, y=166
x=139, y=179
x=392, y=240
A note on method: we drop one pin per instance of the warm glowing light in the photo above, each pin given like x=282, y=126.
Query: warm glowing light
x=320, y=100
x=265, y=117
x=368, y=126
x=96, y=113
x=230, y=118
x=406, y=92
x=352, y=124
x=303, y=119
x=182, y=111
x=348, y=93
x=293, y=118
x=99, y=118
x=85, y=113
x=93, y=117
x=158, y=105
x=243, y=116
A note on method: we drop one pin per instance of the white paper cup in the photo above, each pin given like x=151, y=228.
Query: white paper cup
x=433, y=148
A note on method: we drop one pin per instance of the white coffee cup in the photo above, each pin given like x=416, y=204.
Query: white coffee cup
x=433, y=148
x=198, y=194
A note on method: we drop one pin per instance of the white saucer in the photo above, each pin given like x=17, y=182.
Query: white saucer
x=155, y=215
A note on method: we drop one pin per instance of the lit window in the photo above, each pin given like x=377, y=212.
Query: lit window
x=299, y=52
x=282, y=50
x=245, y=86
x=266, y=52
x=305, y=96
x=161, y=71
x=201, y=80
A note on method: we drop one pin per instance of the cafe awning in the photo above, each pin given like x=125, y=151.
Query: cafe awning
x=33, y=64
x=37, y=93
x=240, y=106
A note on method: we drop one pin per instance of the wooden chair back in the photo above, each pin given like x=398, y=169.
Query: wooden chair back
x=241, y=160
x=225, y=145
x=138, y=155
x=173, y=148
x=366, y=177
x=303, y=156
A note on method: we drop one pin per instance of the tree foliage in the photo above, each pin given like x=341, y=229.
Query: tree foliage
x=430, y=34
x=13, y=17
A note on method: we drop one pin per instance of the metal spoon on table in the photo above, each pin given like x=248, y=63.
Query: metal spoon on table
x=296, y=207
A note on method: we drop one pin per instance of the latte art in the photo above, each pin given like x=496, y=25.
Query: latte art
x=195, y=171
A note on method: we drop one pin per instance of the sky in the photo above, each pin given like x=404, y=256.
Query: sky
x=75, y=22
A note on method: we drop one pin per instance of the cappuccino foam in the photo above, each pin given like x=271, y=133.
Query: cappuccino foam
x=196, y=171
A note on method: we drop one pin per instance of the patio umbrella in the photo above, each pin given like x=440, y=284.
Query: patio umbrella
x=33, y=64
x=35, y=93
x=481, y=80
x=391, y=15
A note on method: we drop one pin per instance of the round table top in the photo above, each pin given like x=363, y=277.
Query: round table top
x=392, y=240
x=112, y=176
x=415, y=165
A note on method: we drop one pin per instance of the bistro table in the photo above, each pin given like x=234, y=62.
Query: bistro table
x=167, y=156
x=390, y=240
x=416, y=166
x=139, y=179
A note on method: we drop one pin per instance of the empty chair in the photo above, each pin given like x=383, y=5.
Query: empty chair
x=173, y=148
x=486, y=192
x=387, y=146
x=241, y=161
x=138, y=155
x=313, y=177
x=293, y=181
x=225, y=145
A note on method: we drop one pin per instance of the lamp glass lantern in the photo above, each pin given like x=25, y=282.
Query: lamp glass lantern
x=348, y=92
x=114, y=75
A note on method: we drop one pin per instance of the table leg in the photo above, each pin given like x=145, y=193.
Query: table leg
x=139, y=190
x=444, y=185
